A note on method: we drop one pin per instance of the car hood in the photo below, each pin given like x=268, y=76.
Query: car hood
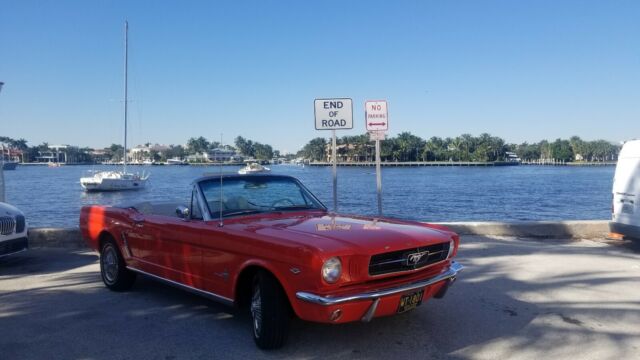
x=334, y=234
x=7, y=209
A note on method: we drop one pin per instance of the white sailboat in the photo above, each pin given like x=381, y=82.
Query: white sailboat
x=117, y=180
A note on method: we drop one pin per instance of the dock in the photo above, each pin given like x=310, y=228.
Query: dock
x=416, y=163
x=459, y=163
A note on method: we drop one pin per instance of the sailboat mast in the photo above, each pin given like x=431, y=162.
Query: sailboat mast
x=126, y=66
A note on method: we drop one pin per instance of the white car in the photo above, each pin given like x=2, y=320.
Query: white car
x=13, y=230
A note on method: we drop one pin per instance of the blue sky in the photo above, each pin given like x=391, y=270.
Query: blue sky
x=522, y=70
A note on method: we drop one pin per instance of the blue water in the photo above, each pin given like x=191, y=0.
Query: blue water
x=53, y=197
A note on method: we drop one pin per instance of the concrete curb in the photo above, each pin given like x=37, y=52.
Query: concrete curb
x=55, y=237
x=578, y=229
x=575, y=229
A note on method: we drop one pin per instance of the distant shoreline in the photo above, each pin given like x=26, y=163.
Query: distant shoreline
x=386, y=164
x=463, y=163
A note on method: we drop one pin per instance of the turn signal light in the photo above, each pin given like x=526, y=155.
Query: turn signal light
x=335, y=315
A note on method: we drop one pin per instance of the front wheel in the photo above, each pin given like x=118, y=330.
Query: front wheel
x=113, y=269
x=270, y=312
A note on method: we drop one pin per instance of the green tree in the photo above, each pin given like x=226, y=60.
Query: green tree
x=315, y=150
x=197, y=145
x=561, y=150
x=116, y=152
x=174, y=151
x=245, y=147
x=262, y=151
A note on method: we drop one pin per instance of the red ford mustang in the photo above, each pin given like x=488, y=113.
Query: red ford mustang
x=266, y=243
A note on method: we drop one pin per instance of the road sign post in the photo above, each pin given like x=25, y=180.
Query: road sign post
x=378, y=178
x=334, y=159
x=377, y=123
x=334, y=114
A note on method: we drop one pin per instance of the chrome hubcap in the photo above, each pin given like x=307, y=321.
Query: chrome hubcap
x=256, y=311
x=110, y=264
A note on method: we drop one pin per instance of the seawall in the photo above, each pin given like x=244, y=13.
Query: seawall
x=578, y=229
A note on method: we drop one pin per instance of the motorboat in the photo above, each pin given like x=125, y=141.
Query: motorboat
x=113, y=181
x=176, y=161
x=7, y=162
x=9, y=165
x=253, y=168
x=117, y=180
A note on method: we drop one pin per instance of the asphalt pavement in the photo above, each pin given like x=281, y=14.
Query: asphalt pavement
x=516, y=299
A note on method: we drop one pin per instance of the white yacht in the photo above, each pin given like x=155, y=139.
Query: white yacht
x=113, y=181
x=176, y=161
x=117, y=180
x=253, y=168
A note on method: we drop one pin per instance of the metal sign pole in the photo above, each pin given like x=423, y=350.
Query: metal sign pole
x=378, y=178
x=334, y=157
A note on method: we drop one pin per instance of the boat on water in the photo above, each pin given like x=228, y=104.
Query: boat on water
x=177, y=161
x=6, y=160
x=512, y=157
x=54, y=164
x=253, y=168
x=9, y=165
x=113, y=181
x=117, y=180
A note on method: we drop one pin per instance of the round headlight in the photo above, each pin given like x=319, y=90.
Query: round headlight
x=331, y=270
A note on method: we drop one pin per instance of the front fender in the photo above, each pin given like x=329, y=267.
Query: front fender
x=291, y=277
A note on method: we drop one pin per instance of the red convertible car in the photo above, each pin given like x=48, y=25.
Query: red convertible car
x=266, y=243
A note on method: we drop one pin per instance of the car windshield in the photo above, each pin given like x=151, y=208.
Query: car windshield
x=256, y=194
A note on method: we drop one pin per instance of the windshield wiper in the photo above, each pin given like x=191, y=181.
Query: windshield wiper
x=242, y=212
x=295, y=207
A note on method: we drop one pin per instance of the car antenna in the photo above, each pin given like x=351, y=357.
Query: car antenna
x=221, y=223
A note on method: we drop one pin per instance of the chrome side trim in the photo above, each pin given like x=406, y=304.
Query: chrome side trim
x=449, y=273
x=188, y=288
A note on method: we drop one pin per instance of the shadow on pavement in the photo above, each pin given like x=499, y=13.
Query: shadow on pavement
x=72, y=315
x=40, y=261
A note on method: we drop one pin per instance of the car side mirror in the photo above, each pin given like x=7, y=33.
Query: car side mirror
x=183, y=212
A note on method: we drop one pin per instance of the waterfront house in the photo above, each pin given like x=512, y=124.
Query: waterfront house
x=9, y=153
x=65, y=154
x=202, y=157
x=142, y=153
x=223, y=155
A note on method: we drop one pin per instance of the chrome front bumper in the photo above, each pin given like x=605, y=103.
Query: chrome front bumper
x=449, y=274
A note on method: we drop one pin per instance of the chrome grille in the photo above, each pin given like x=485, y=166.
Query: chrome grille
x=408, y=259
x=7, y=225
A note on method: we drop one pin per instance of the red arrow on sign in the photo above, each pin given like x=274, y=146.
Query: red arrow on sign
x=375, y=124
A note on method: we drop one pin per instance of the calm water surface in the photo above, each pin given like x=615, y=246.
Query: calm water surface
x=53, y=197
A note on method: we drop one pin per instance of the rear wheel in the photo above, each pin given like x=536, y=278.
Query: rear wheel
x=270, y=313
x=113, y=269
